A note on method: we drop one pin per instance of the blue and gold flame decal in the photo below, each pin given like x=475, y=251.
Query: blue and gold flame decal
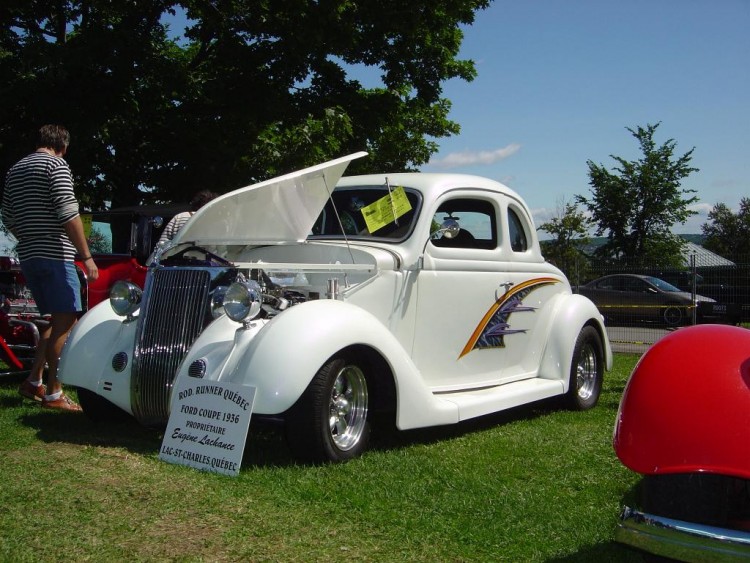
x=494, y=326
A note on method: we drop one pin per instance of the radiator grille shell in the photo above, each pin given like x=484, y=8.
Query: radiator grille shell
x=174, y=311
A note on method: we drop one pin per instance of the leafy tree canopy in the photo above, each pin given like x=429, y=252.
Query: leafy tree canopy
x=569, y=230
x=728, y=233
x=253, y=88
x=637, y=204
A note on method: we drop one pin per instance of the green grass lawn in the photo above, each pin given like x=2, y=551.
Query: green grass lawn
x=534, y=484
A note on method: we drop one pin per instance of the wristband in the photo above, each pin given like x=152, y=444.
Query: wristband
x=86, y=258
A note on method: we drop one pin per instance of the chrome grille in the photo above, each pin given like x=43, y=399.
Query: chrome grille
x=174, y=311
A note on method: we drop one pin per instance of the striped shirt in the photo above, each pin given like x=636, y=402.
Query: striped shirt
x=37, y=202
x=177, y=222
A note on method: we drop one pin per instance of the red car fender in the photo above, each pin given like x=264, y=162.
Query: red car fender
x=686, y=406
x=112, y=268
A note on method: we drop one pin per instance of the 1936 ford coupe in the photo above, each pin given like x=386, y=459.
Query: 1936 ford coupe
x=416, y=299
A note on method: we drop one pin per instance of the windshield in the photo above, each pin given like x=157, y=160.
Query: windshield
x=661, y=284
x=373, y=212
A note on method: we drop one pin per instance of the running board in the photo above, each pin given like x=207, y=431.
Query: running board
x=493, y=399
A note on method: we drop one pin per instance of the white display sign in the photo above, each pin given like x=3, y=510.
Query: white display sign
x=208, y=425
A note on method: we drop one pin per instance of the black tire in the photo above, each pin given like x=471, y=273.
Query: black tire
x=673, y=316
x=586, y=370
x=98, y=409
x=329, y=421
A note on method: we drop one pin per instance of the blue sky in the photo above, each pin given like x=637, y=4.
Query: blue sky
x=559, y=81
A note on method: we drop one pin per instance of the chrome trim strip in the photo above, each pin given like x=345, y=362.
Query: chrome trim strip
x=684, y=541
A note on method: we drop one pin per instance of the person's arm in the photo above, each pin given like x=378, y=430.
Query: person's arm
x=74, y=230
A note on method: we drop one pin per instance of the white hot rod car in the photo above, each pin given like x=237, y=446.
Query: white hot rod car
x=419, y=297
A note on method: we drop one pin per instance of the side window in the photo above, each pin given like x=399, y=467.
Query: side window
x=635, y=285
x=477, y=222
x=518, y=240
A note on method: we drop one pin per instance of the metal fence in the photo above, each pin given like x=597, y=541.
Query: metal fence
x=638, y=311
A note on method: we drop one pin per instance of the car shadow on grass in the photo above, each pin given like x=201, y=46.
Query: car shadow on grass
x=76, y=428
x=265, y=445
x=612, y=552
x=386, y=437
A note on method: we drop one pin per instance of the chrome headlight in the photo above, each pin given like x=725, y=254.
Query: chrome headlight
x=217, y=301
x=125, y=298
x=242, y=300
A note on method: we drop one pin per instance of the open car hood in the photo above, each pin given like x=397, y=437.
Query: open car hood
x=279, y=210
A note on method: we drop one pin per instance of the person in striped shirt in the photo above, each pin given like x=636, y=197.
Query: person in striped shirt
x=40, y=209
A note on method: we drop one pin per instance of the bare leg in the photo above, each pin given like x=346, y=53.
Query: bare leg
x=40, y=356
x=60, y=327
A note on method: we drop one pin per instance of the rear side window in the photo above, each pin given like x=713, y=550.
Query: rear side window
x=519, y=242
x=611, y=284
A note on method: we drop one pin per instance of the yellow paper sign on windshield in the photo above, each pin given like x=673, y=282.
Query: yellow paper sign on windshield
x=86, y=220
x=386, y=210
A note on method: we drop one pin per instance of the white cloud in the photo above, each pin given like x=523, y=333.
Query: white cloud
x=469, y=158
x=542, y=215
x=695, y=222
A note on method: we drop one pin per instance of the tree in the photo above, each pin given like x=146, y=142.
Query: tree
x=637, y=205
x=728, y=233
x=569, y=229
x=252, y=89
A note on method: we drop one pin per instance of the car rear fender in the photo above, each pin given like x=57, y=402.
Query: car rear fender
x=572, y=312
x=686, y=406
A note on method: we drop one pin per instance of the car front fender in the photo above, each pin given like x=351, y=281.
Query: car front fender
x=88, y=355
x=281, y=356
x=686, y=405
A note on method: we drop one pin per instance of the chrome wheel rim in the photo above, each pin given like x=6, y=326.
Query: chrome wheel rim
x=348, y=407
x=586, y=372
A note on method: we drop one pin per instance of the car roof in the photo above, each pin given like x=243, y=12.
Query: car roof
x=430, y=184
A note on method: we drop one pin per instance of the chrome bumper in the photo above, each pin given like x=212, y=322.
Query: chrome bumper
x=681, y=540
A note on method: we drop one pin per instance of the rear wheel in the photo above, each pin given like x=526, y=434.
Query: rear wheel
x=586, y=370
x=329, y=421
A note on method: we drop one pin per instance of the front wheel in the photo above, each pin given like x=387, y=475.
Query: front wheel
x=586, y=370
x=329, y=421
